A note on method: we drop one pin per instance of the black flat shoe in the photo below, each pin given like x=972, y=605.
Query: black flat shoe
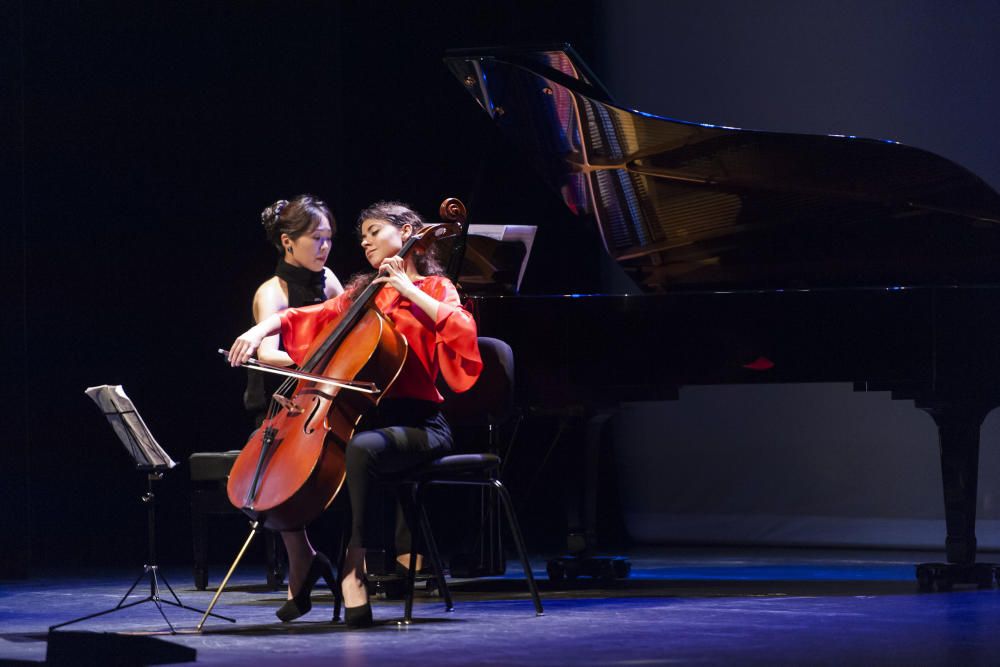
x=358, y=617
x=301, y=603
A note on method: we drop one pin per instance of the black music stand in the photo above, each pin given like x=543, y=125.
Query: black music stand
x=149, y=458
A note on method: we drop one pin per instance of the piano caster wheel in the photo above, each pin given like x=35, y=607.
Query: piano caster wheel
x=925, y=583
x=934, y=578
x=942, y=577
x=608, y=572
x=621, y=568
x=560, y=569
x=605, y=568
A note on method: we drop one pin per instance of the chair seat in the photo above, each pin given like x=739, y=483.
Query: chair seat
x=456, y=465
x=211, y=466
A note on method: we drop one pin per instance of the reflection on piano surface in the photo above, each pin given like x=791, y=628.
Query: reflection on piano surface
x=753, y=257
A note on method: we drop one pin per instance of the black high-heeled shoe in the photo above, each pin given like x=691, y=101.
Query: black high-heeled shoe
x=301, y=603
x=359, y=617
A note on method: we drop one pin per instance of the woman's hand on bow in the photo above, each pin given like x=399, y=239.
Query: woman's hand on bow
x=244, y=347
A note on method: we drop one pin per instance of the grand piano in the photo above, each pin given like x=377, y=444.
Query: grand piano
x=754, y=257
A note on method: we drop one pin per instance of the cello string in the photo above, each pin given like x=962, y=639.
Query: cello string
x=273, y=406
x=282, y=389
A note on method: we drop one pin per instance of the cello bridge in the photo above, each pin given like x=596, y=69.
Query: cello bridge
x=288, y=405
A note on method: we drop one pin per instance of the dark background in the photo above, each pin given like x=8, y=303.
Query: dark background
x=143, y=139
x=146, y=139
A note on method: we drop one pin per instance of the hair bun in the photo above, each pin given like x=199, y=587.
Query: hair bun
x=269, y=217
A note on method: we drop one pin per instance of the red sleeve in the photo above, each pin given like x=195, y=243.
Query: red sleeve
x=455, y=337
x=300, y=326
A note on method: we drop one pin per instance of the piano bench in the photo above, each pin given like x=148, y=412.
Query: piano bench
x=209, y=474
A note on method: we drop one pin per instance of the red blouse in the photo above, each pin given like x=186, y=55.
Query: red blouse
x=447, y=344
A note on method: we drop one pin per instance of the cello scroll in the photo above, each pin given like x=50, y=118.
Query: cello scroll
x=452, y=210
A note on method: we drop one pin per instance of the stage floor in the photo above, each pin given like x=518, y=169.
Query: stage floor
x=680, y=606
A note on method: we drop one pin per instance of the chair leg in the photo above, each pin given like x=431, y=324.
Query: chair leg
x=199, y=541
x=338, y=594
x=432, y=550
x=275, y=574
x=515, y=530
x=409, y=508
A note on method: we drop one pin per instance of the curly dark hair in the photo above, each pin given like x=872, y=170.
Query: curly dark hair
x=399, y=214
x=295, y=218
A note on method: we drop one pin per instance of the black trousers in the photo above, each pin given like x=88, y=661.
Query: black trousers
x=399, y=435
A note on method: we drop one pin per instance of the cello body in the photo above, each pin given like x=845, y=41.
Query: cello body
x=293, y=466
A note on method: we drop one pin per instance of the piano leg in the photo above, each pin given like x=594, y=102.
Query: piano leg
x=958, y=433
x=582, y=474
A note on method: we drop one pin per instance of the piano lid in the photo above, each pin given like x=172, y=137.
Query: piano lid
x=682, y=203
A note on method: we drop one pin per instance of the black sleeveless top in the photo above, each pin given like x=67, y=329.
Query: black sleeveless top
x=305, y=288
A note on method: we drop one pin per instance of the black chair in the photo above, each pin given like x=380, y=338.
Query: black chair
x=488, y=405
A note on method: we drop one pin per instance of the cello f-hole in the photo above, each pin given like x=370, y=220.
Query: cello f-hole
x=309, y=428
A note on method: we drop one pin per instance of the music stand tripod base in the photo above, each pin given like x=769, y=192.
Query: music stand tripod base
x=150, y=570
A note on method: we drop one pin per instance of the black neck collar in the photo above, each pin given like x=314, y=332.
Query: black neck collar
x=304, y=286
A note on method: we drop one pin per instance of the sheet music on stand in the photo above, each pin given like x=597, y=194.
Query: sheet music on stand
x=495, y=258
x=130, y=428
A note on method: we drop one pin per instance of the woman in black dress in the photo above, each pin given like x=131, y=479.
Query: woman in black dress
x=301, y=230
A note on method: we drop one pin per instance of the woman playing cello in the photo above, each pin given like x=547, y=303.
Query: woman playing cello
x=407, y=428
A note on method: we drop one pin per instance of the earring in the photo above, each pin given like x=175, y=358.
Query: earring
x=288, y=248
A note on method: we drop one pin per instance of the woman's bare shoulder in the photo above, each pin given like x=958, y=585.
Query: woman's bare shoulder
x=270, y=297
x=332, y=285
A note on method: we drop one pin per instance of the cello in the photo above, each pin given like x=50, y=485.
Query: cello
x=292, y=468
